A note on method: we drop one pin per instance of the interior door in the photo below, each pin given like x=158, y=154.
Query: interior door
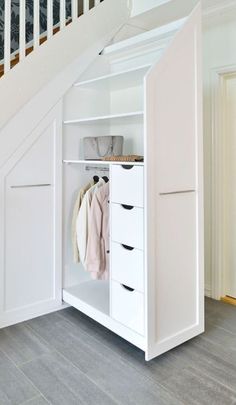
x=230, y=185
x=174, y=205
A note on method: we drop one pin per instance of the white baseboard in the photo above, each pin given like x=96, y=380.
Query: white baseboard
x=208, y=291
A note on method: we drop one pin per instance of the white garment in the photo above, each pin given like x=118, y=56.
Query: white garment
x=82, y=222
x=76, y=209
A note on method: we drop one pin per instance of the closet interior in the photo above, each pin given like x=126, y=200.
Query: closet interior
x=110, y=104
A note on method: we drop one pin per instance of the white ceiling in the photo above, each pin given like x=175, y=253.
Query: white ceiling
x=154, y=13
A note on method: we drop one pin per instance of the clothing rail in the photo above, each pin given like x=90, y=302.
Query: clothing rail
x=96, y=168
x=29, y=19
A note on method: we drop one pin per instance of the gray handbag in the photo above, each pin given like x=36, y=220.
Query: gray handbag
x=96, y=148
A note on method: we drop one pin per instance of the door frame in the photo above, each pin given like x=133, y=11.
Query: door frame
x=218, y=79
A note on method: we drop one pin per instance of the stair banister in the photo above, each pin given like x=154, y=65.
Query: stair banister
x=36, y=23
x=22, y=44
x=62, y=14
x=86, y=6
x=74, y=10
x=11, y=59
x=7, y=36
x=49, y=19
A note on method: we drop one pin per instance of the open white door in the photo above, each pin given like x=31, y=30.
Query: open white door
x=174, y=209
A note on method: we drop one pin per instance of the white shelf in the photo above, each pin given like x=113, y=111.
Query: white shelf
x=113, y=117
x=102, y=162
x=118, y=80
x=89, y=296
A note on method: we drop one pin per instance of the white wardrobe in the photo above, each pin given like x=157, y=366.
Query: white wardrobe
x=149, y=90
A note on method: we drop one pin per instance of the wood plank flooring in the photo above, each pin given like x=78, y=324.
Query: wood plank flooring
x=65, y=358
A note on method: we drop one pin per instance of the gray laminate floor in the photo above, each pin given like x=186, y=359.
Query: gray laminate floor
x=66, y=358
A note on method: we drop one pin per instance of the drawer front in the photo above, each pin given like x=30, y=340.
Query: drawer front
x=127, y=185
x=127, y=225
x=127, y=307
x=127, y=266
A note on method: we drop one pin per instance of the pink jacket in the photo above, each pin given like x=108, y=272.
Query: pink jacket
x=97, y=259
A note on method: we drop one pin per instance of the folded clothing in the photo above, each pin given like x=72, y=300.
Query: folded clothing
x=124, y=158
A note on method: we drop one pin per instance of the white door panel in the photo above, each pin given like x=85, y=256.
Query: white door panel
x=174, y=213
x=29, y=246
x=36, y=165
x=30, y=217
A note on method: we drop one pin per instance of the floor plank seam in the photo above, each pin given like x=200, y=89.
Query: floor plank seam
x=152, y=380
x=216, y=381
x=223, y=329
x=35, y=358
x=32, y=399
x=37, y=354
x=33, y=385
x=74, y=365
x=124, y=361
x=40, y=394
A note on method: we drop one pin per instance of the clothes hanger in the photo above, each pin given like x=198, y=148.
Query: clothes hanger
x=95, y=179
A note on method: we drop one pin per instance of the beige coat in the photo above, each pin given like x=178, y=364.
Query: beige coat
x=76, y=209
x=83, y=220
x=97, y=259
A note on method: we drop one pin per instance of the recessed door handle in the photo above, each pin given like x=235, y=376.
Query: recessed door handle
x=177, y=192
x=127, y=247
x=127, y=167
x=127, y=288
x=127, y=207
x=31, y=185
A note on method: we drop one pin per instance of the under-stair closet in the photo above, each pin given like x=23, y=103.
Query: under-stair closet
x=147, y=90
x=149, y=93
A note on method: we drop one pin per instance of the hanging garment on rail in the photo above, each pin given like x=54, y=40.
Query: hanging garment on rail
x=76, y=209
x=82, y=222
x=97, y=259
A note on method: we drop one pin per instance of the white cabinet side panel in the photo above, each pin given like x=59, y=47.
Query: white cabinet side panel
x=176, y=264
x=174, y=188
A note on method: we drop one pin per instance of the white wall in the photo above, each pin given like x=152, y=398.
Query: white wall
x=219, y=52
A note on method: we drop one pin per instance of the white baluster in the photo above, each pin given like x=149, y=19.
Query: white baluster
x=36, y=23
x=86, y=6
x=49, y=18
x=22, y=29
x=62, y=14
x=7, y=36
x=97, y=2
x=74, y=5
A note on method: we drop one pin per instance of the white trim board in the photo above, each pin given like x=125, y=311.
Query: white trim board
x=208, y=292
x=219, y=8
x=146, y=37
x=217, y=224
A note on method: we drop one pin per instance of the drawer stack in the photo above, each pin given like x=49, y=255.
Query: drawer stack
x=127, y=243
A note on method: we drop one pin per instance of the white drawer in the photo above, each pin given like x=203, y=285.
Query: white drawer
x=127, y=266
x=127, y=185
x=127, y=307
x=127, y=225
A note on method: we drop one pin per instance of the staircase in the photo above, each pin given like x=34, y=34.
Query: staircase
x=25, y=25
x=59, y=48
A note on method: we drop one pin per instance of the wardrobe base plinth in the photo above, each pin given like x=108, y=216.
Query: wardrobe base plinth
x=82, y=298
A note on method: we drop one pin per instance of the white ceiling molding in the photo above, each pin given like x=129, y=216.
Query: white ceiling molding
x=219, y=8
